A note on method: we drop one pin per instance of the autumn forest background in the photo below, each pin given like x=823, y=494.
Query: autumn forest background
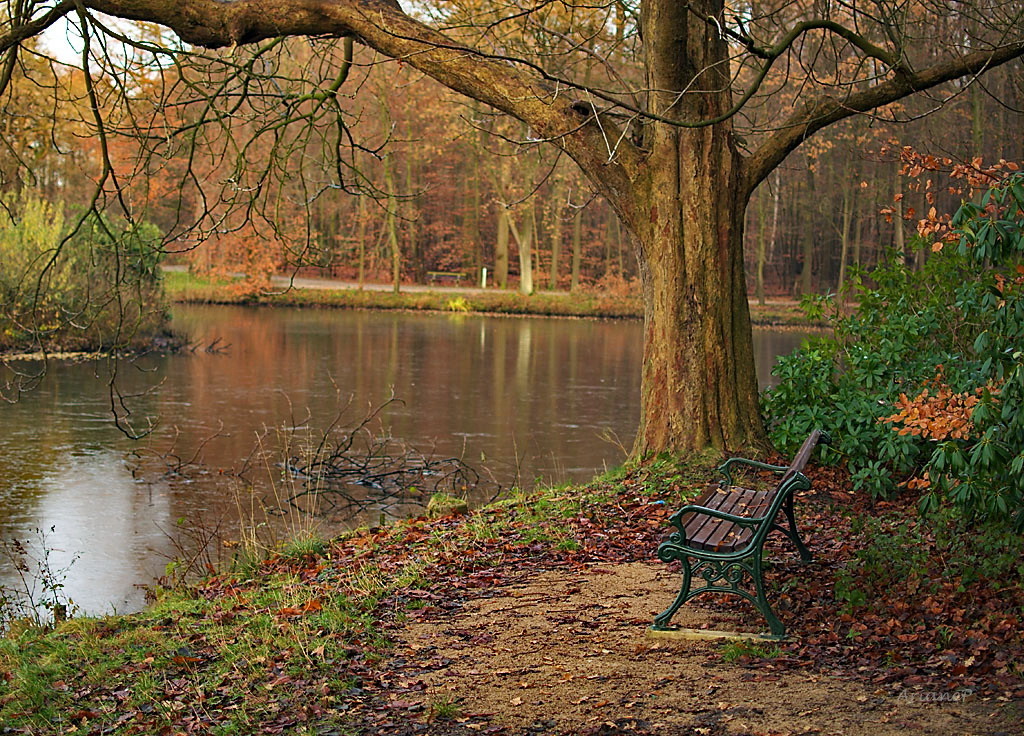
x=199, y=151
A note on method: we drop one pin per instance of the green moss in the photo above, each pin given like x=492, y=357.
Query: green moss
x=442, y=504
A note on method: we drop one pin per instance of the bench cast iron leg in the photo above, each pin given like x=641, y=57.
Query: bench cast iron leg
x=662, y=619
x=774, y=624
x=805, y=554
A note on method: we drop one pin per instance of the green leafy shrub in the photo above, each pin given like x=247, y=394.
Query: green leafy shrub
x=924, y=382
x=88, y=284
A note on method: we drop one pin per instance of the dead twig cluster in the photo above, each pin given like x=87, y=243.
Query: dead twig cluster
x=363, y=468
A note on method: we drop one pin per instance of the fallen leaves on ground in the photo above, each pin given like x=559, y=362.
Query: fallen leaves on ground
x=322, y=675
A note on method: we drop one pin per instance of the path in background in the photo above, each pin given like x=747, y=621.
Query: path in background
x=307, y=282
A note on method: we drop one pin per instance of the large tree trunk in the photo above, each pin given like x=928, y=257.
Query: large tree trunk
x=698, y=387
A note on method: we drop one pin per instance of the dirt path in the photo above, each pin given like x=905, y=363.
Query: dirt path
x=566, y=653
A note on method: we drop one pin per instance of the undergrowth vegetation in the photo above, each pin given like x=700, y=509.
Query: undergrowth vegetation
x=922, y=386
x=76, y=283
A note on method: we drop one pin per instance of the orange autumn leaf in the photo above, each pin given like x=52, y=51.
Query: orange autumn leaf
x=937, y=412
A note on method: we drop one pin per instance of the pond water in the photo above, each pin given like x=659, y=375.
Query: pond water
x=526, y=399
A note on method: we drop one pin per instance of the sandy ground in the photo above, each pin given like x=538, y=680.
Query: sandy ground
x=569, y=654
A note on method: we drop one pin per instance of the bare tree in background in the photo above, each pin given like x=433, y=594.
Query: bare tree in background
x=667, y=120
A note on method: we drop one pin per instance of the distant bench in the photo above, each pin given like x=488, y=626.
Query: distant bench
x=444, y=277
x=723, y=531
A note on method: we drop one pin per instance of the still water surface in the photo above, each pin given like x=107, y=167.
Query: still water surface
x=528, y=398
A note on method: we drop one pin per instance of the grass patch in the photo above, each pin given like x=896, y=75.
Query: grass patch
x=235, y=655
x=744, y=651
x=444, y=708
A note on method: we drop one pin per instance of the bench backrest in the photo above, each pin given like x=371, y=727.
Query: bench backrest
x=804, y=454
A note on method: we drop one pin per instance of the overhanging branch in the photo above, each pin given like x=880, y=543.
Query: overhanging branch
x=825, y=110
x=21, y=32
x=383, y=26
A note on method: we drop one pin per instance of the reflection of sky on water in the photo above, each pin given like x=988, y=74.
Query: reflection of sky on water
x=106, y=530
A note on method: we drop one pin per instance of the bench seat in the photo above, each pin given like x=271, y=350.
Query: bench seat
x=713, y=534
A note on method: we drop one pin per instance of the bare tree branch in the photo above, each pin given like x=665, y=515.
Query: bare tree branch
x=381, y=24
x=825, y=110
x=24, y=31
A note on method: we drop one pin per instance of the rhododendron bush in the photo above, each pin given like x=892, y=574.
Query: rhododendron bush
x=922, y=385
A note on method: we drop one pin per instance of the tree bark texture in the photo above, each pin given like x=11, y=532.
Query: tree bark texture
x=699, y=387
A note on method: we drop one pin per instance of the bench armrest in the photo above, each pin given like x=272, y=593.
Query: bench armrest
x=724, y=467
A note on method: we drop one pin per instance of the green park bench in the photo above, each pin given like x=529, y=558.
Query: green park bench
x=723, y=532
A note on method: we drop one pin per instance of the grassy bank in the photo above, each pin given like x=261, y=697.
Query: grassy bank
x=296, y=641
x=187, y=288
x=301, y=641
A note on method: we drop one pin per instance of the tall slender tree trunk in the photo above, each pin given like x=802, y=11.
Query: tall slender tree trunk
x=807, y=247
x=473, y=242
x=556, y=233
x=616, y=224
x=776, y=201
x=858, y=238
x=411, y=234
x=577, y=249
x=762, y=245
x=391, y=225
x=501, y=249
x=844, y=237
x=361, y=242
x=977, y=120
x=607, y=247
x=524, y=244
x=898, y=241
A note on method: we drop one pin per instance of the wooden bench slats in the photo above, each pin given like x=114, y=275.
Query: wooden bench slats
x=699, y=526
x=730, y=537
x=715, y=535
